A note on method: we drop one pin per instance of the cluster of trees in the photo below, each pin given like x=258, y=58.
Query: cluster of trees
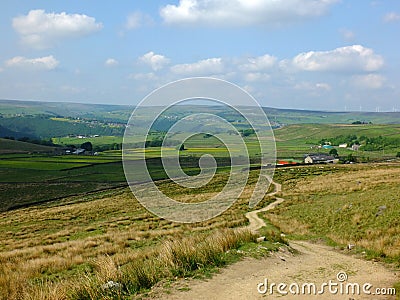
x=88, y=146
x=380, y=143
x=247, y=132
x=361, y=122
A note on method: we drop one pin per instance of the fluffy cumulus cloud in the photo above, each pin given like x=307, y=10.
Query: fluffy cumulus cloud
x=39, y=29
x=204, y=67
x=391, y=17
x=40, y=63
x=155, y=61
x=111, y=62
x=243, y=12
x=260, y=63
x=349, y=58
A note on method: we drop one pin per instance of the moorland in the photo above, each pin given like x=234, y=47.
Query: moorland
x=69, y=223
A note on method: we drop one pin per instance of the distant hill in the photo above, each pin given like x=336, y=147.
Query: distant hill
x=112, y=113
x=11, y=146
x=312, y=133
x=294, y=116
x=45, y=127
x=45, y=120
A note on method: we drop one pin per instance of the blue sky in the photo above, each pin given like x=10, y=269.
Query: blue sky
x=307, y=54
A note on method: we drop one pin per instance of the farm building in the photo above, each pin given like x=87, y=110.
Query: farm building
x=319, y=158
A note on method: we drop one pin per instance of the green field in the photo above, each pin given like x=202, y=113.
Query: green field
x=96, y=141
x=311, y=133
x=28, y=179
x=49, y=176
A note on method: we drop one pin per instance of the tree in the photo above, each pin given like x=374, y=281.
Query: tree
x=350, y=158
x=87, y=146
x=333, y=152
x=398, y=154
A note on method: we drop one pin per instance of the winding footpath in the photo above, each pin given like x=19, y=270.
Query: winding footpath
x=313, y=263
x=255, y=222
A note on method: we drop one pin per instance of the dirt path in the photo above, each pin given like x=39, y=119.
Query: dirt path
x=314, y=264
x=256, y=222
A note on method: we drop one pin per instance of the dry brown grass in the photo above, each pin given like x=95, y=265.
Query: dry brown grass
x=43, y=249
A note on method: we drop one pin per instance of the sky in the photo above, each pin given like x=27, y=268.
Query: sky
x=340, y=55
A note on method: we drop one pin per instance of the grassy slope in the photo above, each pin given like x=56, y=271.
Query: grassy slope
x=55, y=177
x=345, y=205
x=74, y=246
x=28, y=179
x=295, y=140
x=315, y=132
x=10, y=146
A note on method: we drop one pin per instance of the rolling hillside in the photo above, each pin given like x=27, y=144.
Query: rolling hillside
x=11, y=146
x=315, y=132
x=45, y=120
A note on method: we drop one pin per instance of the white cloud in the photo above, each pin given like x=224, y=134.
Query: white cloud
x=259, y=63
x=369, y=81
x=111, y=62
x=40, y=63
x=257, y=76
x=209, y=66
x=391, y=17
x=39, y=29
x=155, y=61
x=243, y=12
x=138, y=19
x=350, y=58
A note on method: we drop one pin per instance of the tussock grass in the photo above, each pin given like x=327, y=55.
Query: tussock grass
x=173, y=258
x=136, y=272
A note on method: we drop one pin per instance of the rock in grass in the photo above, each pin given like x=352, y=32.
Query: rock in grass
x=260, y=239
x=350, y=246
x=381, y=210
x=111, y=285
